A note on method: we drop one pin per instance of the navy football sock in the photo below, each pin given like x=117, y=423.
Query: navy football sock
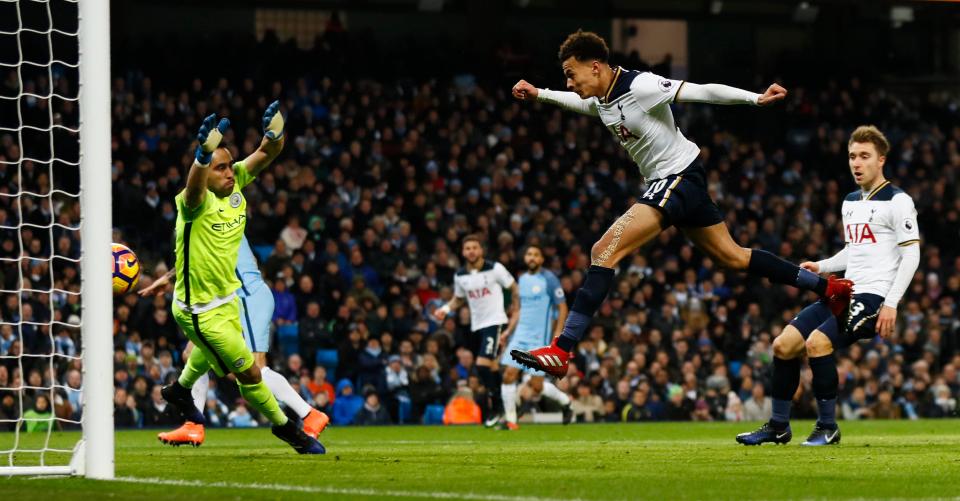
x=589, y=298
x=786, y=379
x=784, y=272
x=488, y=379
x=825, y=381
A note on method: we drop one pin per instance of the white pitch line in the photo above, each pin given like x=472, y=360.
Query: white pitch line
x=335, y=490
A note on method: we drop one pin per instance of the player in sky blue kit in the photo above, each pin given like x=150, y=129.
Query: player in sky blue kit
x=543, y=308
x=635, y=107
x=256, y=312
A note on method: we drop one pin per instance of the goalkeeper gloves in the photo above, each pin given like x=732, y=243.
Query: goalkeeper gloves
x=209, y=138
x=273, y=122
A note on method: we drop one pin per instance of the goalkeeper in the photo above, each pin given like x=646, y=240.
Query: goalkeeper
x=211, y=217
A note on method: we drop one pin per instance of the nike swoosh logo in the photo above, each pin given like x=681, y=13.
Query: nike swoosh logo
x=830, y=439
x=779, y=436
x=221, y=210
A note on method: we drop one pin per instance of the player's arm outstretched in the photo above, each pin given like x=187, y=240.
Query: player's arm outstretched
x=724, y=94
x=158, y=285
x=525, y=91
x=209, y=137
x=272, y=143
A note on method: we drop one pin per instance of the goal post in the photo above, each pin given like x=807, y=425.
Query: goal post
x=58, y=54
x=96, y=229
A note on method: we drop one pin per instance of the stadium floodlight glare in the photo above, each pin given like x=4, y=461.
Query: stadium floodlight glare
x=43, y=452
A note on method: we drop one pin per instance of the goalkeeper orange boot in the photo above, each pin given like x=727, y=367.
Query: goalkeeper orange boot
x=315, y=423
x=189, y=434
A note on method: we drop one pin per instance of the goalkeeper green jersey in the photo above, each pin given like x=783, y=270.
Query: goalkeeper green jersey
x=208, y=240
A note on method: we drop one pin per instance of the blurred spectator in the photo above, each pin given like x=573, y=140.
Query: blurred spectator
x=372, y=413
x=285, y=309
x=240, y=417
x=40, y=417
x=758, y=407
x=347, y=405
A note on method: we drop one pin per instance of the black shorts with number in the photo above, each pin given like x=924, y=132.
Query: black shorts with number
x=683, y=199
x=861, y=320
x=487, y=341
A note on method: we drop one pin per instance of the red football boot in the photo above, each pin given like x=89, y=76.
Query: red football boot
x=838, y=294
x=550, y=359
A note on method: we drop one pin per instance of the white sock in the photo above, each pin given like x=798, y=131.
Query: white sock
x=281, y=389
x=508, y=393
x=199, y=392
x=553, y=393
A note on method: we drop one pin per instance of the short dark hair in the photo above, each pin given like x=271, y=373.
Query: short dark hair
x=584, y=46
x=473, y=237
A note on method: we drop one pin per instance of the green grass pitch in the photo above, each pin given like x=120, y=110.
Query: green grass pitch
x=901, y=459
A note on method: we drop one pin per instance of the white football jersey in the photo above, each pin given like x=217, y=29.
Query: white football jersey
x=483, y=290
x=636, y=110
x=874, y=225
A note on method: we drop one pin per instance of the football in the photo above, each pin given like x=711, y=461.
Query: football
x=126, y=269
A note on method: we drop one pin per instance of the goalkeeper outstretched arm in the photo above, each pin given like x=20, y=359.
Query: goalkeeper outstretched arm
x=209, y=138
x=272, y=143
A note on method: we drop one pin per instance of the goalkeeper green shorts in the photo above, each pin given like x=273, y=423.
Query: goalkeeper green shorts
x=219, y=336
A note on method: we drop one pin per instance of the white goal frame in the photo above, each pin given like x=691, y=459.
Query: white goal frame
x=93, y=456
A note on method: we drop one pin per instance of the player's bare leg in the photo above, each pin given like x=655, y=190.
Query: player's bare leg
x=640, y=224
x=716, y=241
x=788, y=348
x=314, y=421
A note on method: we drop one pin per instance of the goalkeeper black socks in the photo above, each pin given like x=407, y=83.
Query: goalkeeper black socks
x=181, y=399
x=784, y=272
x=589, y=298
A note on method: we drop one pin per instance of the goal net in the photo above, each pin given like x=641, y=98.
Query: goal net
x=56, y=388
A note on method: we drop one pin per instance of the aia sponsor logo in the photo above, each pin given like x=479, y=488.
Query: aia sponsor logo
x=860, y=233
x=478, y=293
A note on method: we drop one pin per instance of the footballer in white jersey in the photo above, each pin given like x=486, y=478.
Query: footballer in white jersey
x=480, y=284
x=881, y=255
x=635, y=107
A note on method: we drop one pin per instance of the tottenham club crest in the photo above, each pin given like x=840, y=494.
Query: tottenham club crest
x=235, y=200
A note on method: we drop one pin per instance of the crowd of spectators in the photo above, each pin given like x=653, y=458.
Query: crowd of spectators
x=358, y=226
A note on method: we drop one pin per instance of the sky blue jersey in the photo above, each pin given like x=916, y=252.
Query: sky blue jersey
x=540, y=294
